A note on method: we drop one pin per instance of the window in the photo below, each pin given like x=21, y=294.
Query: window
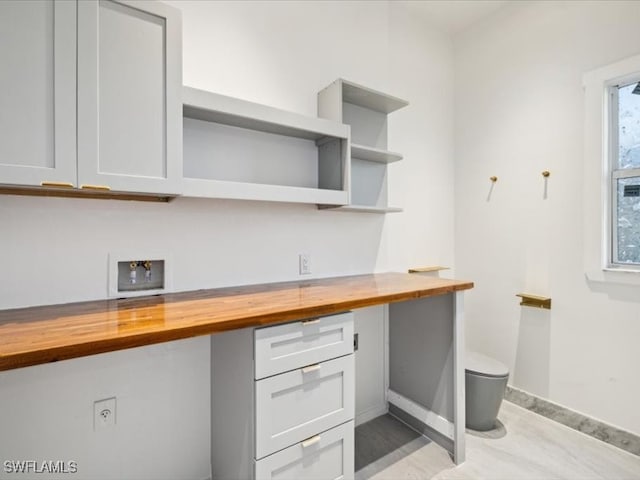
x=611, y=195
x=624, y=162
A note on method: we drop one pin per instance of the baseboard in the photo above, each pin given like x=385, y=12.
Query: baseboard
x=424, y=415
x=422, y=428
x=422, y=420
x=576, y=420
x=371, y=413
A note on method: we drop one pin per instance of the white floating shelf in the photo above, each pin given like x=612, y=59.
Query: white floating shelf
x=366, y=111
x=374, y=154
x=216, y=108
x=363, y=209
x=320, y=169
x=195, y=187
x=368, y=98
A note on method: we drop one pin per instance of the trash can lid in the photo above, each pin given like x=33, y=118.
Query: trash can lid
x=483, y=365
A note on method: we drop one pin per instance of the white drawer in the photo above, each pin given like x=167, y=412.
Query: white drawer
x=293, y=345
x=296, y=405
x=327, y=456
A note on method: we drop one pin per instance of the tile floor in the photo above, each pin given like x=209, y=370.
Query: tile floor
x=525, y=446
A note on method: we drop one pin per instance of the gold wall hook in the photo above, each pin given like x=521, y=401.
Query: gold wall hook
x=546, y=173
x=493, y=178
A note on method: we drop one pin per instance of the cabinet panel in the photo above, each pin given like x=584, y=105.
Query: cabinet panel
x=229, y=153
x=368, y=127
x=129, y=108
x=37, y=92
x=131, y=38
x=372, y=187
x=296, y=405
x=293, y=345
x=329, y=456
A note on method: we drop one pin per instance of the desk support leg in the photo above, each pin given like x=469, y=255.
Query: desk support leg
x=458, y=380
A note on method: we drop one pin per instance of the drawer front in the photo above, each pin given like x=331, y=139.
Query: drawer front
x=282, y=348
x=296, y=405
x=327, y=456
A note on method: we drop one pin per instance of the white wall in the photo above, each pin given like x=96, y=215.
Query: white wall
x=162, y=413
x=55, y=250
x=519, y=110
x=422, y=183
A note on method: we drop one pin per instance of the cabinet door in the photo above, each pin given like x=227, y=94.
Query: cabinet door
x=129, y=102
x=37, y=92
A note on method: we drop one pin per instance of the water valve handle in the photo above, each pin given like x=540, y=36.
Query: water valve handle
x=147, y=270
x=133, y=272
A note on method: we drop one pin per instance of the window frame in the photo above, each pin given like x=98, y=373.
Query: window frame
x=597, y=202
x=614, y=173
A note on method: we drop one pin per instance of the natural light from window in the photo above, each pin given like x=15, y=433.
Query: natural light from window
x=625, y=174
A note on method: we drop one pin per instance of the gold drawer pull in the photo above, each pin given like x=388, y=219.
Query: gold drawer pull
x=57, y=184
x=95, y=187
x=311, y=368
x=310, y=322
x=310, y=441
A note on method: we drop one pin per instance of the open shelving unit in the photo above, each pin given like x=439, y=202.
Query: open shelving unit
x=237, y=149
x=366, y=111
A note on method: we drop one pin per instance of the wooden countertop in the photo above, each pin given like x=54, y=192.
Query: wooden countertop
x=36, y=335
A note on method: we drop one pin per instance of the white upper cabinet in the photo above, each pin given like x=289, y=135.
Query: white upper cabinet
x=37, y=92
x=127, y=59
x=129, y=96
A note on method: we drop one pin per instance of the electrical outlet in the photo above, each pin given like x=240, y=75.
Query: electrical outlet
x=104, y=414
x=305, y=263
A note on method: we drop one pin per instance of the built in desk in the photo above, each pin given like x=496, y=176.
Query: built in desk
x=425, y=331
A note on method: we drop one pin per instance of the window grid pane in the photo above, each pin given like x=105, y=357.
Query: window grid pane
x=628, y=221
x=625, y=175
x=628, y=126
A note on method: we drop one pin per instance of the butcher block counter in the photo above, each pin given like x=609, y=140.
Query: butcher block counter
x=37, y=335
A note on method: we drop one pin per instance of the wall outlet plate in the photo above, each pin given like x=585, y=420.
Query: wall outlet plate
x=304, y=263
x=104, y=414
x=119, y=266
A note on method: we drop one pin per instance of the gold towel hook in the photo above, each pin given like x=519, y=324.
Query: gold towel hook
x=546, y=173
x=494, y=179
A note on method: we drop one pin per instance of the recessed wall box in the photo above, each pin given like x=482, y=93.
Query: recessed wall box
x=138, y=273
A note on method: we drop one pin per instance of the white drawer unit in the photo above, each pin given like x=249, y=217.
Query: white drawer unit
x=283, y=401
x=293, y=345
x=327, y=456
x=296, y=405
